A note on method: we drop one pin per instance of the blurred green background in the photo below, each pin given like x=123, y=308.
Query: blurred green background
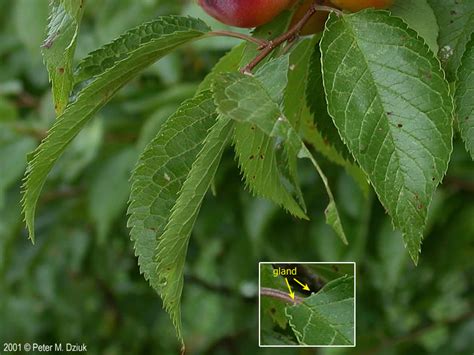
x=80, y=282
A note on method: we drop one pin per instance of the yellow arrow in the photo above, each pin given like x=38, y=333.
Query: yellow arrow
x=305, y=286
x=292, y=294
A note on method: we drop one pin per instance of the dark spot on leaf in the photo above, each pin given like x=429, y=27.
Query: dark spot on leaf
x=61, y=70
x=335, y=268
x=262, y=156
x=399, y=125
x=426, y=74
x=273, y=310
x=251, y=157
x=389, y=113
x=433, y=179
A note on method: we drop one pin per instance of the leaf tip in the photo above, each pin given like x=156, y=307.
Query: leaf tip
x=415, y=255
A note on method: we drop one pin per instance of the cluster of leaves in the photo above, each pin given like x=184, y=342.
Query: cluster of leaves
x=326, y=317
x=174, y=173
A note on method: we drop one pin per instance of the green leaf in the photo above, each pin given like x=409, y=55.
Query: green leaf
x=456, y=24
x=162, y=35
x=419, y=15
x=173, y=243
x=264, y=163
x=274, y=77
x=172, y=176
x=159, y=176
x=391, y=104
x=59, y=47
x=122, y=61
x=327, y=317
x=244, y=99
x=254, y=149
x=465, y=97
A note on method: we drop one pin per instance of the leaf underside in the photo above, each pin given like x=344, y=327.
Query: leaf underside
x=391, y=104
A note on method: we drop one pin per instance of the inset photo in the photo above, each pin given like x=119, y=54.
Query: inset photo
x=308, y=304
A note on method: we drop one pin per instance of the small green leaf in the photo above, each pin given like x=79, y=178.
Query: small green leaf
x=327, y=317
x=391, y=104
x=465, y=97
x=456, y=24
x=107, y=71
x=244, y=99
x=59, y=47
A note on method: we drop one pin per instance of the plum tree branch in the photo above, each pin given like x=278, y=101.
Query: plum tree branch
x=290, y=35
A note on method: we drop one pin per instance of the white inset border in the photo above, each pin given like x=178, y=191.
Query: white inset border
x=302, y=263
